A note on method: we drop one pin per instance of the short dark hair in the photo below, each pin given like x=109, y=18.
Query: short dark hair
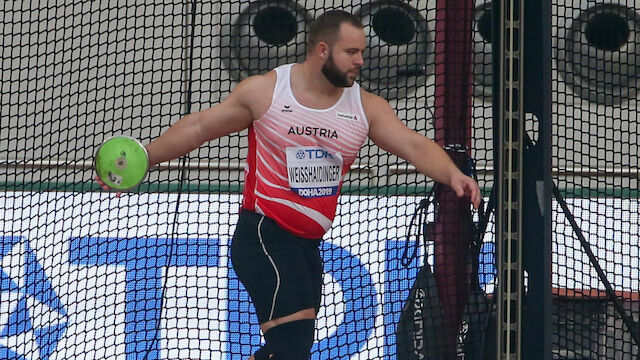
x=326, y=27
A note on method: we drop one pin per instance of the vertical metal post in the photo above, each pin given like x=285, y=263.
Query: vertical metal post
x=537, y=182
x=453, y=108
x=189, y=33
x=510, y=124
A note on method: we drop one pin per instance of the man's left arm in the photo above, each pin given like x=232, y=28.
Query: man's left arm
x=390, y=134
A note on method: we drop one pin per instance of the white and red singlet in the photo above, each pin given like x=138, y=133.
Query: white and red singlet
x=298, y=157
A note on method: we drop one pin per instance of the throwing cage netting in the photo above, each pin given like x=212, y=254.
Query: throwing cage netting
x=85, y=274
x=595, y=152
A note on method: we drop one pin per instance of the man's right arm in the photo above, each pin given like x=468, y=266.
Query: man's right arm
x=234, y=114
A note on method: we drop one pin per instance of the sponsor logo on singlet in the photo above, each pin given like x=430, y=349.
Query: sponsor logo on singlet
x=313, y=171
x=346, y=116
x=313, y=131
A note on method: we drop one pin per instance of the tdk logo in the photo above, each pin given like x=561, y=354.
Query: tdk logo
x=145, y=260
x=36, y=324
x=313, y=154
x=32, y=317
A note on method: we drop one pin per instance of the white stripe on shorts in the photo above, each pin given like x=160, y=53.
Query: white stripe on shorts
x=275, y=268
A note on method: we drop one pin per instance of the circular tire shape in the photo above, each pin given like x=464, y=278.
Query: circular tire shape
x=399, y=54
x=598, y=54
x=264, y=36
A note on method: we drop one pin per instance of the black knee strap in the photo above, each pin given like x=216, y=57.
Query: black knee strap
x=263, y=353
x=291, y=341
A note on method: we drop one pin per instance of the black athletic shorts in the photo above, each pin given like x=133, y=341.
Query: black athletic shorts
x=281, y=272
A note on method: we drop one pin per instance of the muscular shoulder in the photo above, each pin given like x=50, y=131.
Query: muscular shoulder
x=258, y=83
x=256, y=92
x=374, y=105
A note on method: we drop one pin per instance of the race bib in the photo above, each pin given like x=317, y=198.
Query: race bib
x=313, y=171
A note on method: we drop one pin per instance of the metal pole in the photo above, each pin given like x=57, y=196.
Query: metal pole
x=454, y=58
x=509, y=121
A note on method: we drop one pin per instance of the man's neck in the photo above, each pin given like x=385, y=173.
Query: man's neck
x=314, y=81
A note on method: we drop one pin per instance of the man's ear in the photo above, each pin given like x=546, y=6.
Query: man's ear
x=323, y=50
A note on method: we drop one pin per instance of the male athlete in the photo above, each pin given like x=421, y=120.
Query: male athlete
x=306, y=125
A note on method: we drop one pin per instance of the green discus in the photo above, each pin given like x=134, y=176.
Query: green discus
x=122, y=162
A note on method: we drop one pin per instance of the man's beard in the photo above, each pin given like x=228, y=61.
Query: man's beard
x=334, y=75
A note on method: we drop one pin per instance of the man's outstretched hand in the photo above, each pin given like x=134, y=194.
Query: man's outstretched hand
x=464, y=185
x=104, y=186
